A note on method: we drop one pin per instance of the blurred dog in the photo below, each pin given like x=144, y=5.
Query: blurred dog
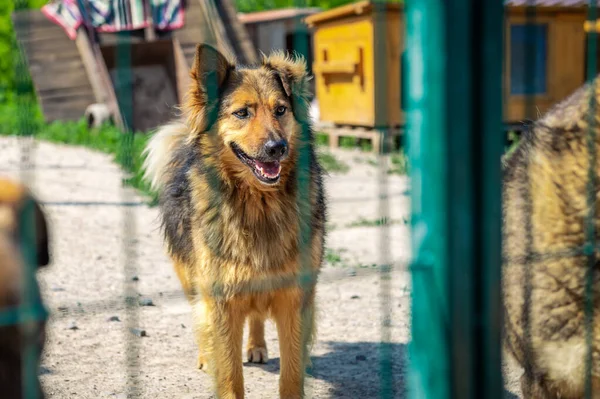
x=233, y=214
x=13, y=197
x=545, y=210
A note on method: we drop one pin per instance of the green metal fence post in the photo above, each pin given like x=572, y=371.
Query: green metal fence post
x=455, y=121
x=382, y=52
x=303, y=178
x=428, y=349
x=592, y=184
x=30, y=310
x=488, y=134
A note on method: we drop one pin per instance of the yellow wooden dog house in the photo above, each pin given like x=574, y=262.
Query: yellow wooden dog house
x=348, y=86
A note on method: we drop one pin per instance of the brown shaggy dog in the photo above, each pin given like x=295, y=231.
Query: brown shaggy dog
x=545, y=191
x=239, y=184
x=12, y=268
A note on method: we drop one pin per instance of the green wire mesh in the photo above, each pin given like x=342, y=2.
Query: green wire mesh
x=124, y=92
x=30, y=310
x=590, y=229
x=589, y=247
x=440, y=260
x=306, y=278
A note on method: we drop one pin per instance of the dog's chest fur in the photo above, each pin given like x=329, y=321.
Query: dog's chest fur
x=250, y=228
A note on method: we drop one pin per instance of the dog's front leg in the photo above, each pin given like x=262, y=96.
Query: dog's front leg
x=293, y=312
x=228, y=317
x=220, y=340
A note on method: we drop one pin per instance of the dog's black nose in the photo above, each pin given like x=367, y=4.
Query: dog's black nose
x=276, y=148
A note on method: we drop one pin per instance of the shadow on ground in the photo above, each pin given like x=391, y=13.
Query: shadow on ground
x=352, y=370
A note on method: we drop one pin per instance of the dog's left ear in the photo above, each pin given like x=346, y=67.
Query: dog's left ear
x=14, y=198
x=41, y=235
x=210, y=70
x=291, y=71
x=40, y=227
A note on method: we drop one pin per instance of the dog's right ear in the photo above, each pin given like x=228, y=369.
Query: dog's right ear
x=210, y=71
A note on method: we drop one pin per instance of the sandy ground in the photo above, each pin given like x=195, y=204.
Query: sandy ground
x=83, y=288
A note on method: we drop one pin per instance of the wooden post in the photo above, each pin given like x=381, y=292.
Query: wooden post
x=91, y=66
x=98, y=75
x=182, y=70
x=149, y=33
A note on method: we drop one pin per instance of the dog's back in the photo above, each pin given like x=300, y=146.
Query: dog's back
x=13, y=197
x=545, y=211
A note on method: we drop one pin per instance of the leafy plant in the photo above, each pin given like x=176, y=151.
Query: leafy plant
x=8, y=44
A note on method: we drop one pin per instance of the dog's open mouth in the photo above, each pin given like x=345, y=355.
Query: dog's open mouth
x=266, y=172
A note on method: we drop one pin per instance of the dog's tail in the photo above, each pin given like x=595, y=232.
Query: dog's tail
x=159, y=151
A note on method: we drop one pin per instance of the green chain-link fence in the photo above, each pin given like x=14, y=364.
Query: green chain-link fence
x=453, y=85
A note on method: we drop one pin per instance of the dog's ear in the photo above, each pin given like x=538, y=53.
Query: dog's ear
x=14, y=198
x=291, y=71
x=293, y=76
x=41, y=235
x=210, y=70
x=40, y=227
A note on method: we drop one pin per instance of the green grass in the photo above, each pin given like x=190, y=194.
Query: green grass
x=372, y=162
x=108, y=139
x=334, y=256
x=330, y=226
x=513, y=137
x=330, y=163
x=399, y=162
x=347, y=142
x=362, y=222
x=399, y=159
x=321, y=139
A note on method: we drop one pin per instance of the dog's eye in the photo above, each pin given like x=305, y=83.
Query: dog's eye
x=241, y=113
x=280, y=110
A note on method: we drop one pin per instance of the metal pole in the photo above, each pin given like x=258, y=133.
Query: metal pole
x=455, y=147
x=428, y=349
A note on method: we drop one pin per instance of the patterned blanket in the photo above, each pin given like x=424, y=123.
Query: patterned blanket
x=114, y=15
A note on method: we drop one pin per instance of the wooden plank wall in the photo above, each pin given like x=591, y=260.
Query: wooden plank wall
x=192, y=32
x=236, y=32
x=57, y=71
x=204, y=21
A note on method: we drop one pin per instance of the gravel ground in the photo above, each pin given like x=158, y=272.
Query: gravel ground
x=83, y=288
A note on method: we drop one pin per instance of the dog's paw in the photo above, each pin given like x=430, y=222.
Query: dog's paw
x=257, y=354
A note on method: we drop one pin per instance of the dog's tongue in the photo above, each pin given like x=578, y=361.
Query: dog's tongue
x=268, y=169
